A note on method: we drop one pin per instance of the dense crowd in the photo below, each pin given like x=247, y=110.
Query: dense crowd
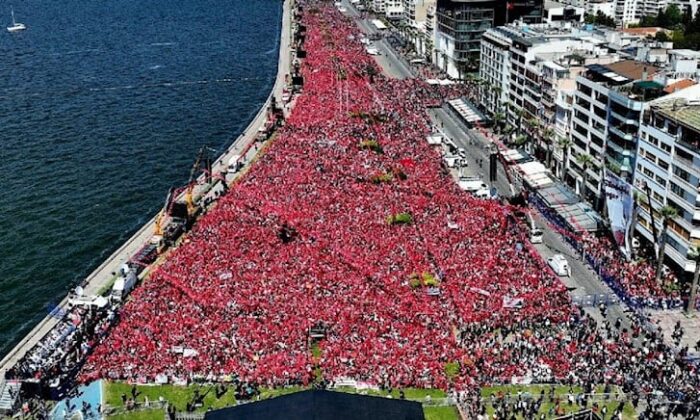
x=349, y=226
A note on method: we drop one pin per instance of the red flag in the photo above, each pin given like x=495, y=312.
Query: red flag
x=510, y=6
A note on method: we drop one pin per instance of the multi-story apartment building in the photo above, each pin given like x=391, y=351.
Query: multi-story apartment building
x=606, y=7
x=378, y=6
x=416, y=11
x=626, y=12
x=461, y=23
x=668, y=172
x=649, y=7
x=494, y=67
x=608, y=107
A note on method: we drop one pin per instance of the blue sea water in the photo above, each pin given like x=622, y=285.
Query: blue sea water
x=103, y=107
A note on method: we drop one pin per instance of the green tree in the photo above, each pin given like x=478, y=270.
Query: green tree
x=661, y=36
x=548, y=140
x=667, y=214
x=674, y=16
x=584, y=161
x=661, y=19
x=498, y=119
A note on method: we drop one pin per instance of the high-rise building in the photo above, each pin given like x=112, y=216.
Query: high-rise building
x=668, y=172
x=609, y=104
x=461, y=23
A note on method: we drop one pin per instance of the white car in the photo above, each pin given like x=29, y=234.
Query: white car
x=559, y=265
x=536, y=236
x=452, y=161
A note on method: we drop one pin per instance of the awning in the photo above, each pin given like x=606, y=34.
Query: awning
x=580, y=217
x=516, y=156
x=557, y=195
x=378, y=24
x=466, y=110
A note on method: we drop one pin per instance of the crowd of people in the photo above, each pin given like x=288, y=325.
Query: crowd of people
x=348, y=225
x=633, y=280
x=55, y=360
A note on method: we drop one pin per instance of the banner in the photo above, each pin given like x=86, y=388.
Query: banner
x=619, y=202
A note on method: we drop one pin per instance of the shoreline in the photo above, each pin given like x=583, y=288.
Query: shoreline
x=101, y=276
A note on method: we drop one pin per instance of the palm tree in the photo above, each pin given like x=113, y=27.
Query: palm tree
x=547, y=139
x=564, y=143
x=667, y=214
x=498, y=118
x=519, y=112
x=694, y=254
x=521, y=140
x=585, y=161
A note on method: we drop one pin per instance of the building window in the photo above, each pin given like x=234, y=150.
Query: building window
x=680, y=173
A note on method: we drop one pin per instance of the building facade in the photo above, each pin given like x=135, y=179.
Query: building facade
x=668, y=172
x=461, y=23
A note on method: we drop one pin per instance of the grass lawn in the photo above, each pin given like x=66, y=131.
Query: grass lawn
x=561, y=391
x=178, y=396
x=441, y=413
x=140, y=415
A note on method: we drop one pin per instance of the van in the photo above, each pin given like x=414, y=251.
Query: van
x=472, y=184
x=234, y=163
x=559, y=265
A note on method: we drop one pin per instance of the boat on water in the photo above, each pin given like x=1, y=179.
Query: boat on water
x=16, y=26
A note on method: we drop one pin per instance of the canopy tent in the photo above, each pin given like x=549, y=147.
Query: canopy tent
x=434, y=139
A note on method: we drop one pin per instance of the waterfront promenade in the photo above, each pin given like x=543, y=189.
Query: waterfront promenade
x=103, y=275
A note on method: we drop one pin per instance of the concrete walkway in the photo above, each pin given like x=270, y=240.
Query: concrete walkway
x=103, y=275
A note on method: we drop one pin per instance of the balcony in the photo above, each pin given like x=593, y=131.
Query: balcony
x=690, y=208
x=620, y=133
x=686, y=164
x=625, y=119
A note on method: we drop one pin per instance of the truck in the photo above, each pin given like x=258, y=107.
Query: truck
x=472, y=184
x=124, y=283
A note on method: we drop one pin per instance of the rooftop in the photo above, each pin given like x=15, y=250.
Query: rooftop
x=686, y=53
x=633, y=70
x=679, y=85
x=688, y=115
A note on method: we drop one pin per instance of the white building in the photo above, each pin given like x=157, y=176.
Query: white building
x=416, y=11
x=560, y=12
x=668, y=171
x=626, y=12
x=605, y=7
x=494, y=67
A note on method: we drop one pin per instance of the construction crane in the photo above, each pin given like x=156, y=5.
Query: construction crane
x=202, y=158
x=158, y=229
